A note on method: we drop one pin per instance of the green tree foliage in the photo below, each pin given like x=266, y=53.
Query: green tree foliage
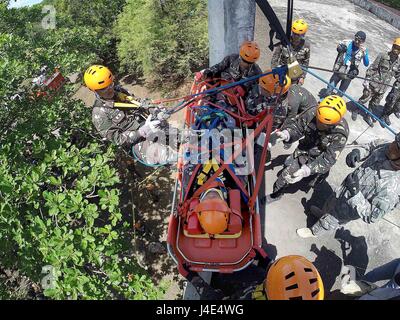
x=59, y=189
x=165, y=40
x=391, y=3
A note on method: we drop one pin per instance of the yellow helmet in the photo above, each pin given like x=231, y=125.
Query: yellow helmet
x=293, y=278
x=270, y=83
x=98, y=77
x=396, y=42
x=331, y=110
x=299, y=26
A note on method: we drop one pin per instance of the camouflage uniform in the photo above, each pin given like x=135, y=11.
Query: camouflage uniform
x=229, y=69
x=294, y=102
x=392, y=104
x=301, y=52
x=298, y=100
x=383, y=69
x=117, y=126
x=318, y=149
x=379, y=190
x=256, y=102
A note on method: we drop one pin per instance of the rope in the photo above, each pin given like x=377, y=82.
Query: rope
x=351, y=99
x=344, y=74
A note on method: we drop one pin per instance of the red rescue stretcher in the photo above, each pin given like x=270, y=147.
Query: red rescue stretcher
x=240, y=244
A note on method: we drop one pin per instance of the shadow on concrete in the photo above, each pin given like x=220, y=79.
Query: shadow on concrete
x=328, y=264
x=321, y=194
x=354, y=250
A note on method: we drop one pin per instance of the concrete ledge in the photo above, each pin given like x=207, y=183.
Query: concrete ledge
x=380, y=11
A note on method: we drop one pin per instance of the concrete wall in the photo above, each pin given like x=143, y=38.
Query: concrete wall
x=379, y=11
x=230, y=22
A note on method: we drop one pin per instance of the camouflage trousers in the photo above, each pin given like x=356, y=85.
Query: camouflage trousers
x=374, y=97
x=392, y=103
x=292, y=164
x=335, y=212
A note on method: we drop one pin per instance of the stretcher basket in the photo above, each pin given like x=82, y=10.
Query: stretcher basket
x=225, y=253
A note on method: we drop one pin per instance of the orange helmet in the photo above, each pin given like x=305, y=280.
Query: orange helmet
x=293, y=278
x=331, y=110
x=98, y=77
x=213, y=215
x=299, y=26
x=250, y=51
x=270, y=83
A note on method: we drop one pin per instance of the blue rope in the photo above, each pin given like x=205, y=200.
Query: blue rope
x=351, y=99
x=280, y=71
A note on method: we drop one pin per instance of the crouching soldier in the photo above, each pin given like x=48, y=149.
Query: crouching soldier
x=121, y=126
x=269, y=95
x=382, y=70
x=370, y=192
x=323, y=132
x=238, y=66
x=287, y=100
x=392, y=104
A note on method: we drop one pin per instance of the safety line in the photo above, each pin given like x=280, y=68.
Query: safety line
x=345, y=74
x=351, y=99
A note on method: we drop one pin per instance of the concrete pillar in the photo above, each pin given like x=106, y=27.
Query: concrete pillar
x=230, y=22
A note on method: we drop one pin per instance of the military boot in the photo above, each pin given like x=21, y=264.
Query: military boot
x=368, y=120
x=386, y=119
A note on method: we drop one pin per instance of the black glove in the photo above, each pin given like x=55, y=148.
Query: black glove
x=341, y=48
x=352, y=158
x=352, y=184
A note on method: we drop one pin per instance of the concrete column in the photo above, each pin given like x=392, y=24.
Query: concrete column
x=230, y=22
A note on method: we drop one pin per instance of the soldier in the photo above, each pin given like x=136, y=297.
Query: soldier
x=383, y=69
x=370, y=192
x=288, y=101
x=392, y=104
x=324, y=133
x=300, y=50
x=350, y=55
x=269, y=94
x=288, y=278
x=237, y=66
x=118, y=126
x=366, y=289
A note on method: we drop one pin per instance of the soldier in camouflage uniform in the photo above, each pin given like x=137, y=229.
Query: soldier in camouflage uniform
x=238, y=66
x=324, y=133
x=392, y=104
x=122, y=127
x=383, y=69
x=286, y=103
x=369, y=193
x=300, y=49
